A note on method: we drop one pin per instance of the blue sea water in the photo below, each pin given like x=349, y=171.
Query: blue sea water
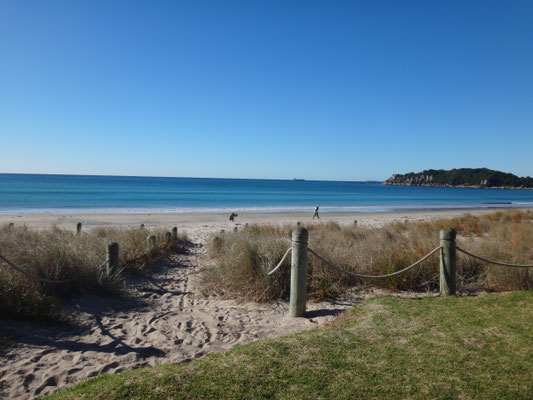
x=58, y=194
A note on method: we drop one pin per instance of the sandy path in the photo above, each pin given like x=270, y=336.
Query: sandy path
x=163, y=320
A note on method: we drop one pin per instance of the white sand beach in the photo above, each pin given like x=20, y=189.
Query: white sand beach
x=164, y=318
x=199, y=224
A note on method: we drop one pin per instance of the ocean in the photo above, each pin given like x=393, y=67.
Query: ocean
x=84, y=194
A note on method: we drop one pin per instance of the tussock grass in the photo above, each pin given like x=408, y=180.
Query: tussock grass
x=385, y=348
x=250, y=254
x=59, y=254
x=241, y=260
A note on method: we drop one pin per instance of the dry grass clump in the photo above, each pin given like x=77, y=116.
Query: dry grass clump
x=241, y=260
x=59, y=254
x=249, y=255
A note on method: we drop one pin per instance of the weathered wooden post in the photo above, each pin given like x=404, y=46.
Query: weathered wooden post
x=113, y=258
x=78, y=228
x=448, y=257
x=168, y=237
x=298, y=272
x=175, y=235
x=152, y=245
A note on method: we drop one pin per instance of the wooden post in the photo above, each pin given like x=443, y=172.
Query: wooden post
x=175, y=235
x=168, y=237
x=298, y=272
x=152, y=245
x=142, y=227
x=448, y=265
x=113, y=259
x=78, y=228
x=355, y=223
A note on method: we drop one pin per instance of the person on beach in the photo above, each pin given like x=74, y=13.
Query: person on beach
x=316, y=212
x=232, y=217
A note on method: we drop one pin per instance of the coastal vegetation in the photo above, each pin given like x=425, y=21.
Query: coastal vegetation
x=61, y=254
x=462, y=177
x=241, y=260
x=394, y=348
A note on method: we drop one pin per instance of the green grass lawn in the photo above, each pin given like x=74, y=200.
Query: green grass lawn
x=392, y=348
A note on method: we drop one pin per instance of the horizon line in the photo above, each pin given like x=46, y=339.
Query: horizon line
x=193, y=177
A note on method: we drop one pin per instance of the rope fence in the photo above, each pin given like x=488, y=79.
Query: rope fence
x=281, y=262
x=38, y=278
x=112, y=261
x=448, y=266
x=300, y=250
x=363, y=276
x=493, y=262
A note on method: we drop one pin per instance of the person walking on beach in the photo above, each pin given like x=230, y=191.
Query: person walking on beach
x=316, y=212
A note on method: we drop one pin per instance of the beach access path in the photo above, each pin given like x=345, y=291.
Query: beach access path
x=163, y=319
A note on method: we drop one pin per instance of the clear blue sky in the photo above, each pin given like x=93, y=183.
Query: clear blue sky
x=265, y=89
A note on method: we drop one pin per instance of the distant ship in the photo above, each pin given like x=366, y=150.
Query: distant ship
x=299, y=179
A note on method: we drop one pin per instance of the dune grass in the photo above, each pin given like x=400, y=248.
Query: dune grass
x=241, y=260
x=438, y=348
x=59, y=254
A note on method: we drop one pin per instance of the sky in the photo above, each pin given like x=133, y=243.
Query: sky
x=331, y=90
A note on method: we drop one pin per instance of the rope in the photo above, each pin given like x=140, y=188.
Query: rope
x=281, y=262
x=30, y=274
x=494, y=262
x=374, y=276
